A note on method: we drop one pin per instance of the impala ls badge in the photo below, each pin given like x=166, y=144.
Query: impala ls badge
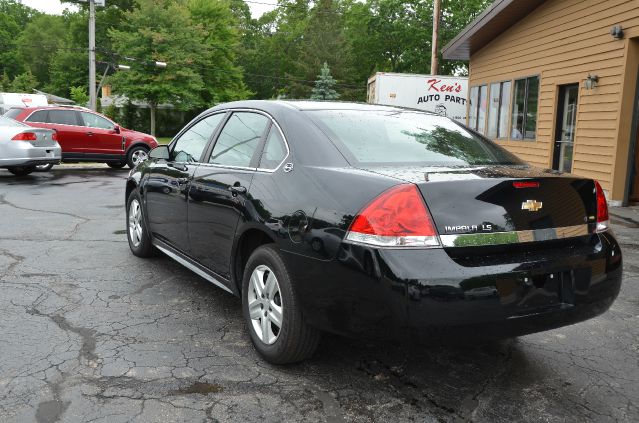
x=532, y=205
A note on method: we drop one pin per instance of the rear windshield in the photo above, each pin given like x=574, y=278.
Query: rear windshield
x=406, y=137
x=13, y=113
x=5, y=121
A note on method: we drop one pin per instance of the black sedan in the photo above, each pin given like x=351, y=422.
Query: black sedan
x=373, y=222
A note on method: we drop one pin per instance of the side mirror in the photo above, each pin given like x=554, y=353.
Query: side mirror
x=116, y=128
x=160, y=152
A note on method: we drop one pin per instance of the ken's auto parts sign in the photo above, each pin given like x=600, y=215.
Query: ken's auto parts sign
x=444, y=95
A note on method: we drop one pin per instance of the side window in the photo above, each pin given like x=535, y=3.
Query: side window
x=39, y=116
x=63, y=117
x=95, y=121
x=274, y=150
x=498, y=110
x=524, y=109
x=191, y=144
x=239, y=139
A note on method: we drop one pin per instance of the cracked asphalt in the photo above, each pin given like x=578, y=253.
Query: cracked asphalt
x=90, y=333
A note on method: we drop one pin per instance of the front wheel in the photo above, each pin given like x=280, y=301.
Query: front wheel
x=21, y=170
x=139, y=239
x=137, y=155
x=272, y=312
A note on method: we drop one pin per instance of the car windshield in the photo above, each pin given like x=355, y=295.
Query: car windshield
x=5, y=121
x=395, y=137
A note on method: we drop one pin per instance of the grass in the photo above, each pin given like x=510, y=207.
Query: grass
x=164, y=140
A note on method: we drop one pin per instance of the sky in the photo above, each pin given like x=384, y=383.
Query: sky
x=54, y=7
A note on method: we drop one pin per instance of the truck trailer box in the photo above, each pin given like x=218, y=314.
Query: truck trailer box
x=444, y=95
x=9, y=100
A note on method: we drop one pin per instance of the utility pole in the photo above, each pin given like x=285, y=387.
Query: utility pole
x=93, y=101
x=434, y=64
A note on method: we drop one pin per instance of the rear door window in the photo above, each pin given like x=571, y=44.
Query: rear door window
x=238, y=142
x=63, y=117
x=274, y=150
x=190, y=145
x=38, y=116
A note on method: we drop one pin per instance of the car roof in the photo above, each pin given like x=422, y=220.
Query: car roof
x=303, y=105
x=55, y=106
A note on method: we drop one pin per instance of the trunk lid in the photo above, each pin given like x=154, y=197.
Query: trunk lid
x=44, y=137
x=485, y=200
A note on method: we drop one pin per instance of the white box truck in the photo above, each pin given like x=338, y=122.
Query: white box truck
x=444, y=95
x=10, y=100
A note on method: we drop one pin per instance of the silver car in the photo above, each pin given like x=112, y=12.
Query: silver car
x=23, y=147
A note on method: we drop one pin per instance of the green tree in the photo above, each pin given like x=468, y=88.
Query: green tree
x=79, y=95
x=70, y=65
x=324, y=85
x=18, y=11
x=24, y=83
x=5, y=81
x=216, y=61
x=39, y=43
x=8, y=52
x=160, y=30
x=323, y=41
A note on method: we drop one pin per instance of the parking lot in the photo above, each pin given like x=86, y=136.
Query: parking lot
x=88, y=332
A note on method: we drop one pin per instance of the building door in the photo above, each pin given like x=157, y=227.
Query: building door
x=566, y=125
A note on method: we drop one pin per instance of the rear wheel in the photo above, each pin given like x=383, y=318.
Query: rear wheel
x=139, y=239
x=44, y=167
x=272, y=312
x=137, y=155
x=116, y=165
x=21, y=170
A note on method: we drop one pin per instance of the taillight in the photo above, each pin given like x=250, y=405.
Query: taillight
x=25, y=136
x=396, y=218
x=54, y=136
x=603, y=223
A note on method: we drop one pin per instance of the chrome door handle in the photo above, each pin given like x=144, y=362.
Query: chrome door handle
x=89, y=133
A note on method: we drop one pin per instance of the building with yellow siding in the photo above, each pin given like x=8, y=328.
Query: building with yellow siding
x=555, y=82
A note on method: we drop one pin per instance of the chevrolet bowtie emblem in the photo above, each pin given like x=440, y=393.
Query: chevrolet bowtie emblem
x=532, y=205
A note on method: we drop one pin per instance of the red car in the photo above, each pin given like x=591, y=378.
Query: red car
x=88, y=136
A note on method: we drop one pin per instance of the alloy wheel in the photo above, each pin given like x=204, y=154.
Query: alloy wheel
x=265, y=304
x=135, y=222
x=139, y=156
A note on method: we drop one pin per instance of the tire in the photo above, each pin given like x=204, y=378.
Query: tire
x=21, y=170
x=136, y=233
x=295, y=340
x=116, y=165
x=44, y=167
x=136, y=155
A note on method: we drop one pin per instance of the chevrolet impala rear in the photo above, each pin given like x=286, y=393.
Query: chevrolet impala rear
x=468, y=243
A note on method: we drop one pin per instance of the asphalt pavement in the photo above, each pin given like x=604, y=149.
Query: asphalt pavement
x=90, y=333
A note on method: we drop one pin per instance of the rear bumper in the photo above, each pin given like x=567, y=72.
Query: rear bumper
x=25, y=154
x=430, y=296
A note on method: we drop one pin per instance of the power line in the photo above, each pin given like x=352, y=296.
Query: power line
x=211, y=68
x=208, y=68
